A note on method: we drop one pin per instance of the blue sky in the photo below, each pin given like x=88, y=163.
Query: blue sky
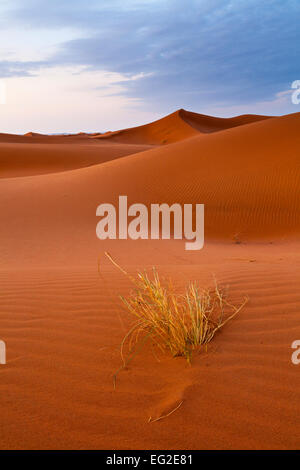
x=106, y=64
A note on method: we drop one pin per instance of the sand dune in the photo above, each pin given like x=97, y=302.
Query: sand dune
x=177, y=126
x=34, y=134
x=63, y=324
x=247, y=177
x=24, y=159
x=34, y=153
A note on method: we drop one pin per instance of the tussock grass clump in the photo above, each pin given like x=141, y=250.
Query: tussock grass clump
x=179, y=323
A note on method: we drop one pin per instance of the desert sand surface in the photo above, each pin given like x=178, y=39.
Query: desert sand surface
x=63, y=322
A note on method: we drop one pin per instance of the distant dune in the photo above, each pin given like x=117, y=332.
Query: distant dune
x=53, y=154
x=34, y=153
x=62, y=321
x=34, y=134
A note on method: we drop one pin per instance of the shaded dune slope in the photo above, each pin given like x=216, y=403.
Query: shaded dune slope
x=207, y=124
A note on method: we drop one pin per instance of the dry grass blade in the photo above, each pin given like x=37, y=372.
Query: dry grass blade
x=174, y=322
x=165, y=416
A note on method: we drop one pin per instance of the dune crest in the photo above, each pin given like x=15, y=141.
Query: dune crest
x=207, y=124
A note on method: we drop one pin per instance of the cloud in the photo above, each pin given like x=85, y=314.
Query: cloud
x=186, y=54
x=68, y=99
x=19, y=69
x=273, y=107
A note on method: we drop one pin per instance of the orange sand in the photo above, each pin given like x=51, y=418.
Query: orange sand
x=63, y=324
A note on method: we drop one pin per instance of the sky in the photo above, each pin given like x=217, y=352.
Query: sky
x=70, y=66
